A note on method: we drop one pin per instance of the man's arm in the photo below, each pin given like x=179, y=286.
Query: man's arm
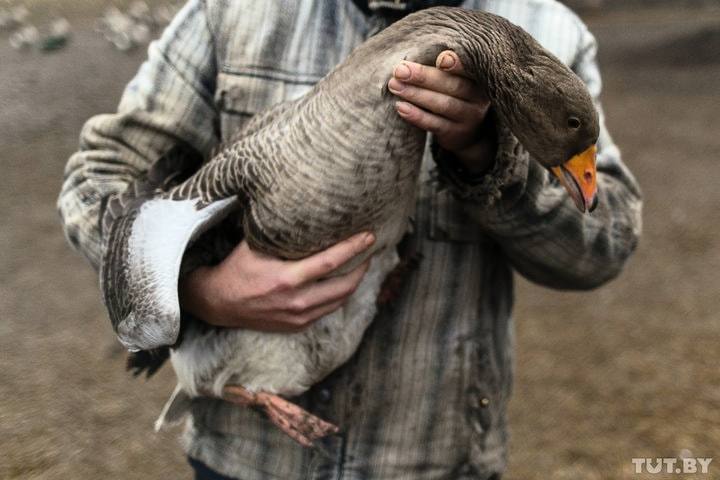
x=169, y=100
x=536, y=223
x=519, y=204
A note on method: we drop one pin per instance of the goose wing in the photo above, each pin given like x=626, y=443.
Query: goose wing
x=147, y=230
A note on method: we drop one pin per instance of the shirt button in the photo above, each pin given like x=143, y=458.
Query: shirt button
x=324, y=395
x=484, y=402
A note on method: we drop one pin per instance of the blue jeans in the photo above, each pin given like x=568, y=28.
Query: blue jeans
x=203, y=472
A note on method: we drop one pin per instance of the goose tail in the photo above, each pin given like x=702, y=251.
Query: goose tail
x=175, y=409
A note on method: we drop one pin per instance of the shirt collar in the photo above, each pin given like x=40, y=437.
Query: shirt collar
x=402, y=7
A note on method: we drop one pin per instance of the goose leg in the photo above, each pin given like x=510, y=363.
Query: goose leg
x=297, y=423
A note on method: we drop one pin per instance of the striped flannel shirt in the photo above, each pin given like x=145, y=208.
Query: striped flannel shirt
x=425, y=395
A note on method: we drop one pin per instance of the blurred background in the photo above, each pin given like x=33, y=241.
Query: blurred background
x=629, y=370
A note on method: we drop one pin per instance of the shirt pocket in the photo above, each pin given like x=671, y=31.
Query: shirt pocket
x=448, y=220
x=239, y=96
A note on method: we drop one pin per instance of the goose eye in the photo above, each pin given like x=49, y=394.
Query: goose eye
x=574, y=122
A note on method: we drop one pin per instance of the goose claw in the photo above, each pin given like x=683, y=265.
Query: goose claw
x=297, y=423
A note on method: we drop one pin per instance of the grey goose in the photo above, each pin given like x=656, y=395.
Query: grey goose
x=308, y=173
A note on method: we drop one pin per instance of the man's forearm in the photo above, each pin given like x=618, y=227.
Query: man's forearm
x=538, y=227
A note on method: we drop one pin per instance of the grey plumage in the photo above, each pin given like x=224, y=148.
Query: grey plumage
x=312, y=172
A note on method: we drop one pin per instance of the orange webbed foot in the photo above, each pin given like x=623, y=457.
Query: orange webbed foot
x=296, y=422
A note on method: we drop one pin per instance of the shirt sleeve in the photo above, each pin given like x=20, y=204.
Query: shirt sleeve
x=170, y=100
x=534, y=220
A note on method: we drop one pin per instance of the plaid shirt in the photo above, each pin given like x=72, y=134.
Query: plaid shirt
x=426, y=393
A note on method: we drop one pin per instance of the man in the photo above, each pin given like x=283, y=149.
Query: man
x=425, y=395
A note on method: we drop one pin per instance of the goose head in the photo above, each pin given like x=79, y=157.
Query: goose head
x=553, y=115
x=544, y=103
x=564, y=128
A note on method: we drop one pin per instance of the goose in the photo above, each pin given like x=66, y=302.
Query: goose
x=308, y=173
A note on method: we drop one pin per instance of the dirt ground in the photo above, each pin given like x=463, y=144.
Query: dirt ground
x=629, y=370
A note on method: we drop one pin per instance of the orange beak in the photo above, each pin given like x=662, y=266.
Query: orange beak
x=579, y=177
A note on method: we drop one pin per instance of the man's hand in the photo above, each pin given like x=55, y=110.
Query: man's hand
x=442, y=101
x=255, y=291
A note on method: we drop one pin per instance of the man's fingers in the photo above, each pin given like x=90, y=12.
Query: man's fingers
x=439, y=103
x=326, y=291
x=299, y=322
x=323, y=263
x=446, y=129
x=436, y=80
x=287, y=322
x=448, y=61
x=317, y=299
